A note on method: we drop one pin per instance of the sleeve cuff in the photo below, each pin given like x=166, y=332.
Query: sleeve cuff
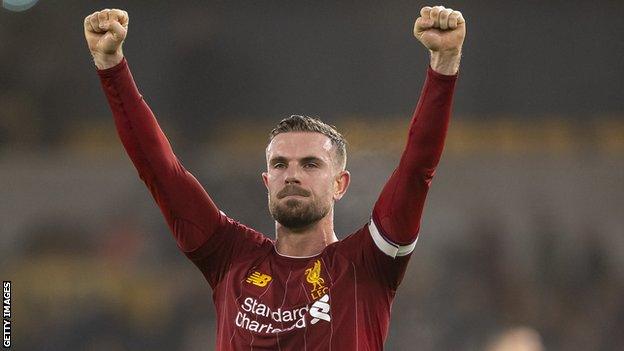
x=435, y=75
x=108, y=72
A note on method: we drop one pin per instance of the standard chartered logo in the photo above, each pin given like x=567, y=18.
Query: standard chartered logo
x=252, y=308
x=320, y=309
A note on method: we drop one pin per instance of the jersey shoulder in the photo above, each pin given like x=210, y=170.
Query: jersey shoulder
x=231, y=237
x=372, y=253
x=232, y=244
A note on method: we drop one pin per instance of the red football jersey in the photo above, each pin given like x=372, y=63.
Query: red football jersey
x=339, y=299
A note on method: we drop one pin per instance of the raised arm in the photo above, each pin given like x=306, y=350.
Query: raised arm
x=397, y=212
x=190, y=213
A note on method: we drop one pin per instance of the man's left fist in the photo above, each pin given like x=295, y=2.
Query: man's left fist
x=440, y=29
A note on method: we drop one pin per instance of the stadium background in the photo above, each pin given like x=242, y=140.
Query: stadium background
x=523, y=225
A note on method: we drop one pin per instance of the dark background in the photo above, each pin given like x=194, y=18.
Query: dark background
x=200, y=62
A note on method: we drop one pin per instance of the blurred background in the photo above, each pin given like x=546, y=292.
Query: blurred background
x=522, y=238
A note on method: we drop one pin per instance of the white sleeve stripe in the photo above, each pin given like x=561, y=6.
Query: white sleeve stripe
x=407, y=249
x=389, y=248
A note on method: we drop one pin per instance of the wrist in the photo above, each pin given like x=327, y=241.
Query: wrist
x=445, y=62
x=104, y=61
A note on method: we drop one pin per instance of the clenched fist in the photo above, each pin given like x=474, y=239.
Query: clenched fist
x=105, y=32
x=442, y=31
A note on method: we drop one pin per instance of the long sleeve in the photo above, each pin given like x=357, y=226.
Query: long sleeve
x=397, y=212
x=190, y=213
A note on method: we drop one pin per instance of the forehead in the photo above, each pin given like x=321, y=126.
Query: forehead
x=300, y=144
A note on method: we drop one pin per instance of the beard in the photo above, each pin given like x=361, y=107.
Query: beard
x=297, y=212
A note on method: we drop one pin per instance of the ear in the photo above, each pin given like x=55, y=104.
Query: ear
x=265, y=179
x=341, y=183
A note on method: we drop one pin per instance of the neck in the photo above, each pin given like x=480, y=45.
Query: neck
x=307, y=241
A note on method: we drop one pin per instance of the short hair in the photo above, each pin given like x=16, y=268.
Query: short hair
x=297, y=123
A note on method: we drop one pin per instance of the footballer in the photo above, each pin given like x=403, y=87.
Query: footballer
x=305, y=290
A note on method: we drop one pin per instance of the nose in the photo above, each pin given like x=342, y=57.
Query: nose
x=292, y=176
x=292, y=180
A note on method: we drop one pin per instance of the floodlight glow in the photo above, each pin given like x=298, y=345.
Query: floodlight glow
x=18, y=5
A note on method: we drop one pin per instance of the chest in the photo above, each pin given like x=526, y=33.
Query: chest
x=270, y=297
x=282, y=284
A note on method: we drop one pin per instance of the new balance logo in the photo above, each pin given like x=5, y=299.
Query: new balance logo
x=320, y=310
x=259, y=279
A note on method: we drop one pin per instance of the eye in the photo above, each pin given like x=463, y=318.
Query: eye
x=310, y=165
x=279, y=165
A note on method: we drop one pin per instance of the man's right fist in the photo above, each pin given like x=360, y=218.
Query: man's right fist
x=105, y=32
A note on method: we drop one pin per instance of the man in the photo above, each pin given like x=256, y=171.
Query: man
x=305, y=290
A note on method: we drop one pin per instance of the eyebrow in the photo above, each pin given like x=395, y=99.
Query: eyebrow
x=306, y=159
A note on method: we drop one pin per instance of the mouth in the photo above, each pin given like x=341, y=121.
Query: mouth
x=291, y=191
